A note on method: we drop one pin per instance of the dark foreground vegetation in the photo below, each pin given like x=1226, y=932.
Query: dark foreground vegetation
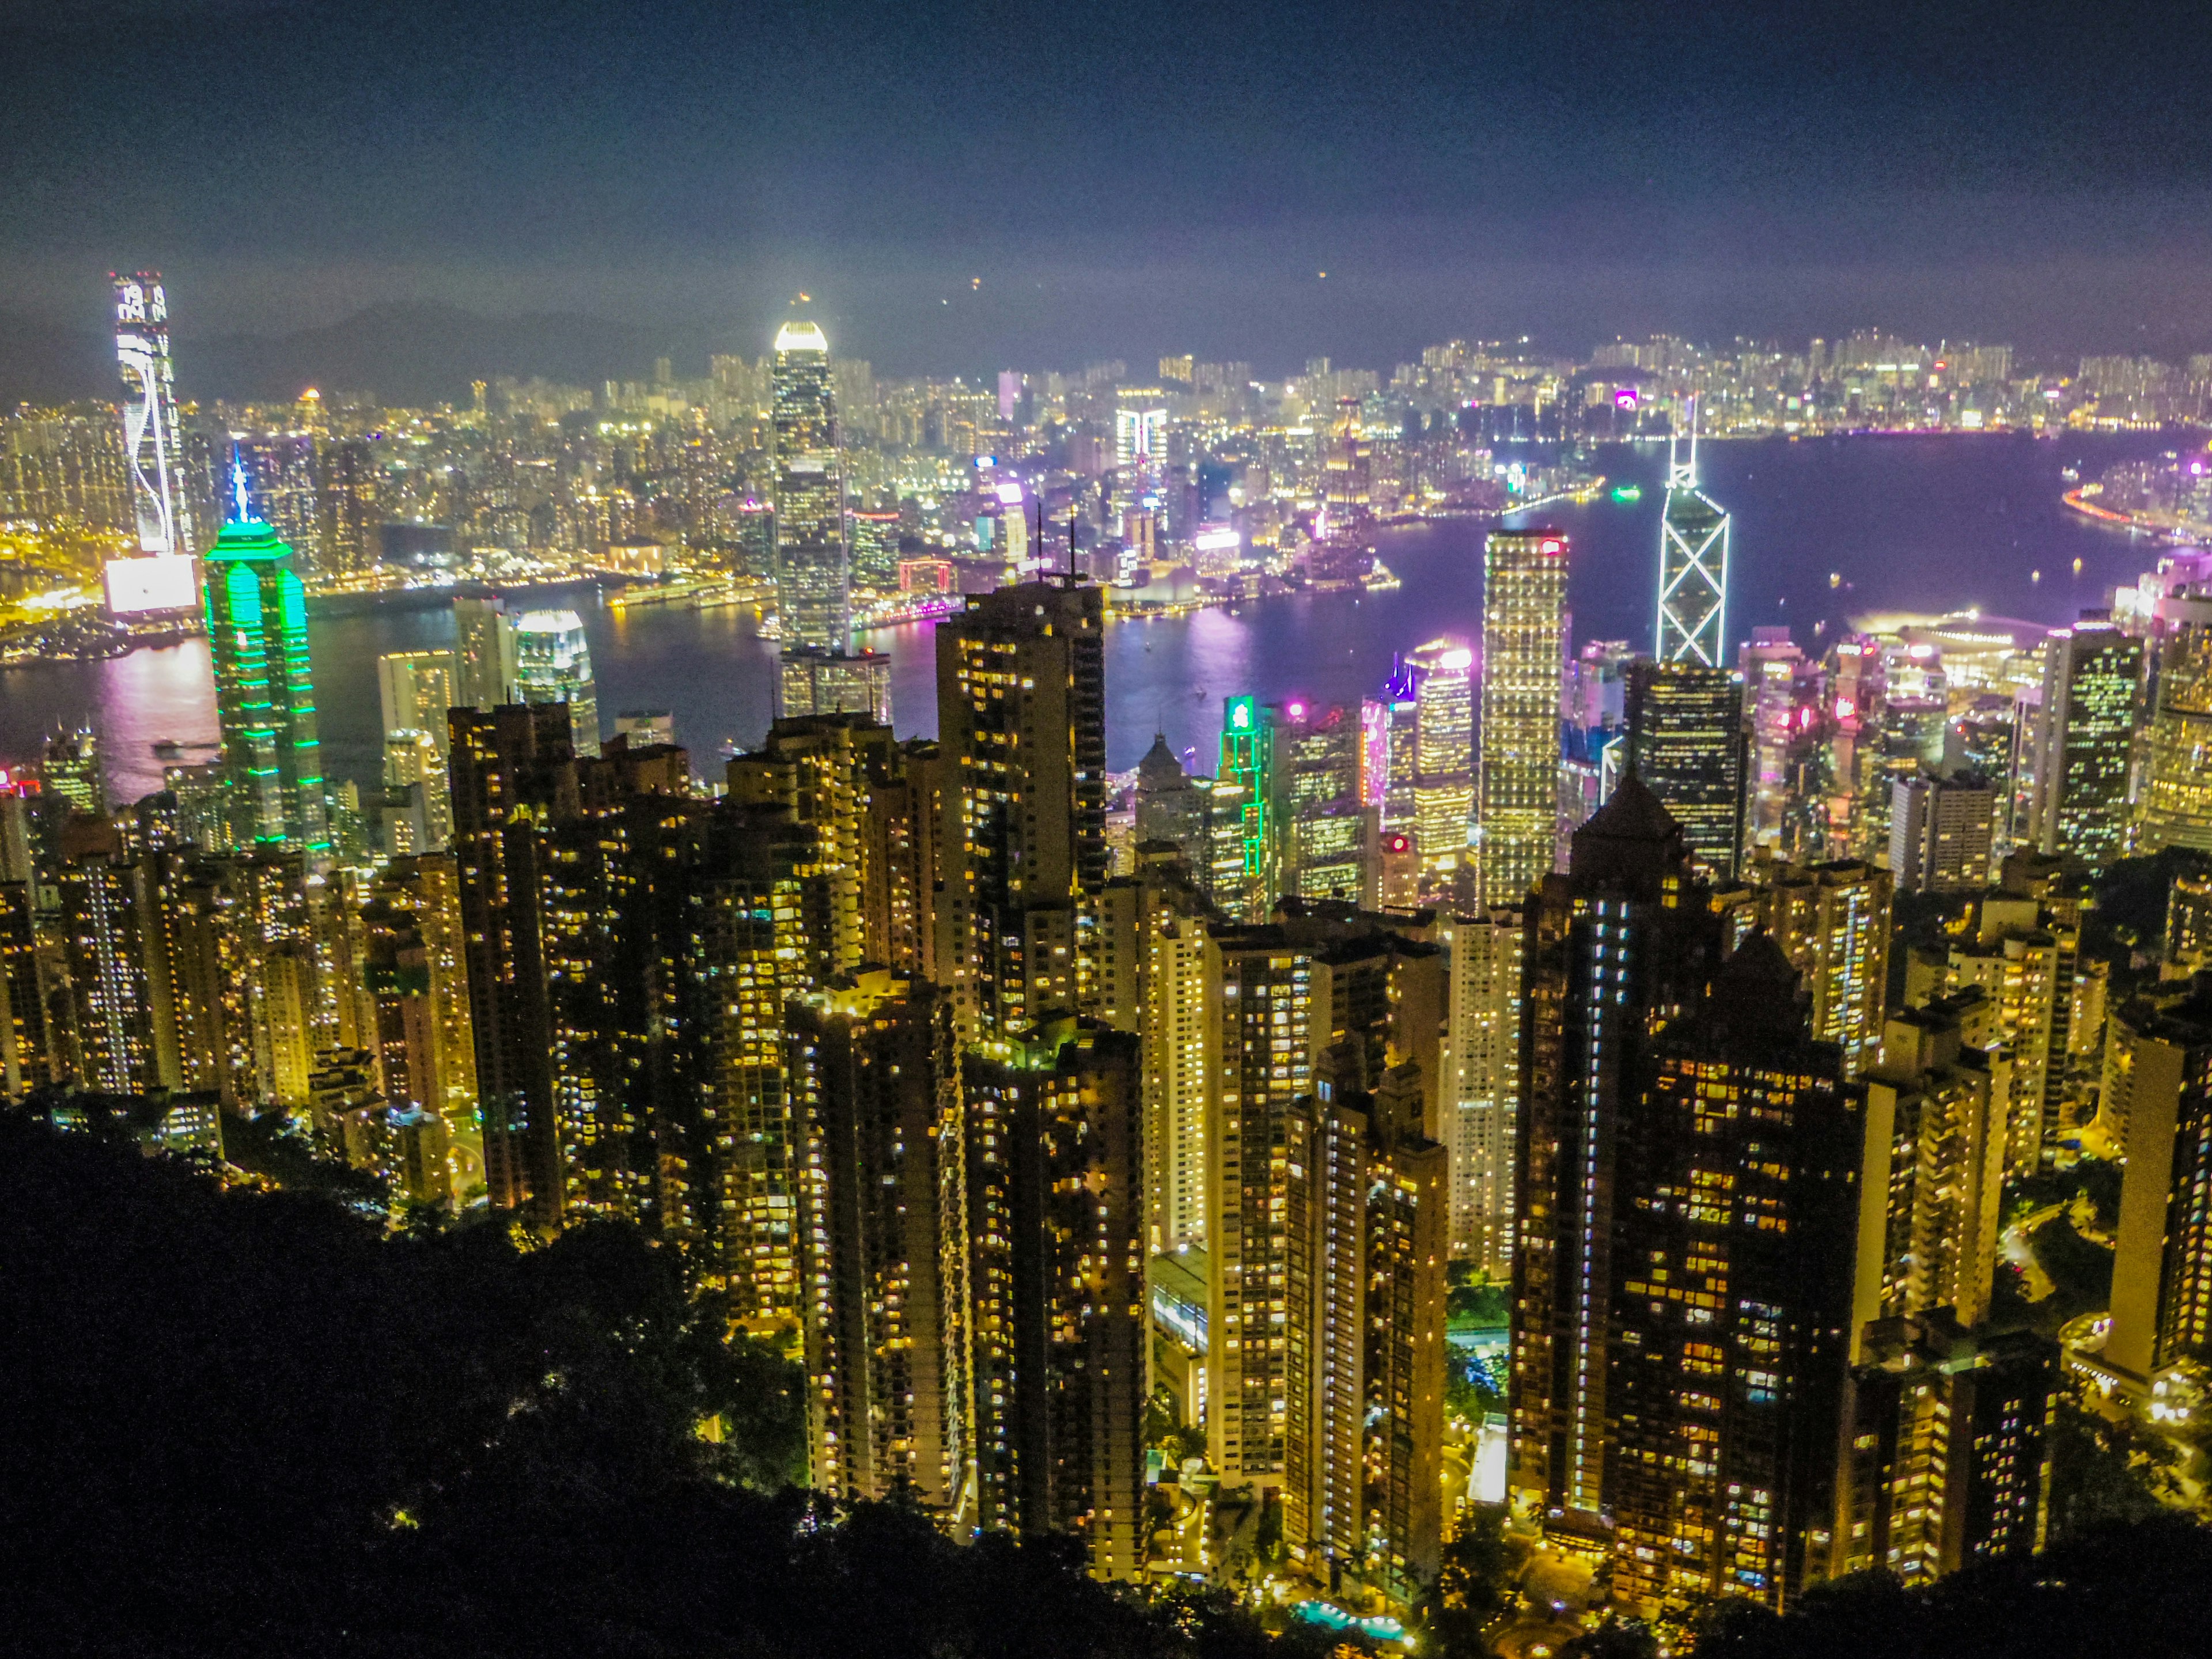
x=253, y=1424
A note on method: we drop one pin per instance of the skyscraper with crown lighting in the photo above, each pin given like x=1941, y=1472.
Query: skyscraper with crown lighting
x=257, y=619
x=812, y=596
x=1694, y=560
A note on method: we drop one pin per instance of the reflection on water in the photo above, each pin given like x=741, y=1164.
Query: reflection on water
x=1908, y=523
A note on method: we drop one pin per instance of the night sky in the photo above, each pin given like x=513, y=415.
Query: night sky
x=1124, y=179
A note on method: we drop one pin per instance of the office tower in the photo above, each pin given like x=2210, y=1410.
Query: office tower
x=1482, y=1084
x=1946, y=1463
x=1436, y=684
x=874, y=539
x=1219, y=856
x=1524, y=610
x=1055, y=1322
x=153, y=442
x=1168, y=808
x=1278, y=998
x=1022, y=843
x=871, y=1070
x=414, y=690
x=1139, y=435
x=810, y=681
x=2173, y=805
x=2091, y=680
x=1693, y=565
x=1938, y=1105
x=69, y=770
x=1326, y=832
x=553, y=663
x=257, y=616
x=1593, y=717
x=1940, y=832
x=1346, y=465
x=811, y=578
x=1625, y=935
x=1782, y=695
x=1247, y=763
x=1389, y=763
x=1832, y=921
x=485, y=666
x=1686, y=741
x=2162, y=1259
x=1734, y=1211
x=2189, y=923
x=1366, y=1225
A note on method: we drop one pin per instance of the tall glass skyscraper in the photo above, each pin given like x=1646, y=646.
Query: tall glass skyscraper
x=1686, y=739
x=1693, y=558
x=151, y=441
x=812, y=572
x=1524, y=637
x=553, y=663
x=257, y=616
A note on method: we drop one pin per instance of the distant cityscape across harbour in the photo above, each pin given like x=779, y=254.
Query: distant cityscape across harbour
x=1920, y=524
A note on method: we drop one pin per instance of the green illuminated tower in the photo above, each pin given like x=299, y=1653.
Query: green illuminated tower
x=257, y=614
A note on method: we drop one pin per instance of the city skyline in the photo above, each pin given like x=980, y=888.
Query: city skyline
x=869, y=805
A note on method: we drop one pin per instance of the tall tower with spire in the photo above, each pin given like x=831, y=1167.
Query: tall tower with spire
x=811, y=579
x=256, y=617
x=1693, y=561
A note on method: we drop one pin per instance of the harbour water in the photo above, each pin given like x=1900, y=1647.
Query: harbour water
x=1902, y=523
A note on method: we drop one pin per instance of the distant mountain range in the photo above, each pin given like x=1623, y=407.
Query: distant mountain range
x=405, y=354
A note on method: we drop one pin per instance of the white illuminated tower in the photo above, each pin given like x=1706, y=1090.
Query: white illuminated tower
x=151, y=441
x=811, y=580
x=1693, y=557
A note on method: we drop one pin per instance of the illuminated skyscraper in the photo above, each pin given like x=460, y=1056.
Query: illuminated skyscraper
x=1687, y=741
x=553, y=663
x=1051, y=1237
x=2174, y=806
x=1021, y=718
x=812, y=577
x=257, y=616
x=1832, y=921
x=2092, y=679
x=483, y=654
x=1482, y=1084
x=2162, y=1267
x=151, y=441
x=1693, y=557
x=1439, y=678
x=1366, y=1211
x=1524, y=631
x=1734, y=1205
x=1625, y=934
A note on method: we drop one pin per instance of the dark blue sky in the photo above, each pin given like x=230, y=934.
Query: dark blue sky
x=1124, y=176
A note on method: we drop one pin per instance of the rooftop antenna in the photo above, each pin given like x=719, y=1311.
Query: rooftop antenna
x=1071, y=543
x=241, y=505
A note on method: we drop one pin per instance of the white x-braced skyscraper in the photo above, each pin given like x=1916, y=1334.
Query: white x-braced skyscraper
x=1694, y=561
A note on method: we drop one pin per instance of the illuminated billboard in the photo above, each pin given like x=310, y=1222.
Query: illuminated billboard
x=164, y=582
